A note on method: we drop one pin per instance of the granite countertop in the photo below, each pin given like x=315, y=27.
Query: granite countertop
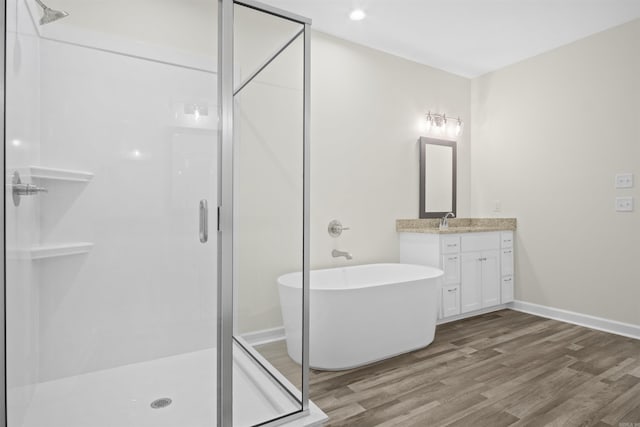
x=456, y=225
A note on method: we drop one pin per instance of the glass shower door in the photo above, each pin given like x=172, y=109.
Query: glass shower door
x=269, y=204
x=111, y=173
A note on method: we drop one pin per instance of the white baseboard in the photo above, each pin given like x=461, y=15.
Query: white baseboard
x=593, y=322
x=264, y=336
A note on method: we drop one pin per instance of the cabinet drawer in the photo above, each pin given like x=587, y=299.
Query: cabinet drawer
x=506, y=261
x=507, y=289
x=450, y=244
x=450, y=301
x=506, y=239
x=451, y=267
x=480, y=242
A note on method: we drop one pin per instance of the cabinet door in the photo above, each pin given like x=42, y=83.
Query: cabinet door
x=507, y=289
x=490, y=278
x=450, y=301
x=451, y=267
x=471, y=282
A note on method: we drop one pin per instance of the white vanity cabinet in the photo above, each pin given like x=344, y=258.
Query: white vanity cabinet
x=478, y=267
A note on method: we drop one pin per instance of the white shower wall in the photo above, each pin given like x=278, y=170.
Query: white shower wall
x=22, y=148
x=147, y=287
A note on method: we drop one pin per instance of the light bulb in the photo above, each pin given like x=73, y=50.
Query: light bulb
x=357, y=15
x=443, y=124
x=459, y=127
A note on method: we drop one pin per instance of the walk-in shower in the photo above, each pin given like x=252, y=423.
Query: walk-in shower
x=162, y=149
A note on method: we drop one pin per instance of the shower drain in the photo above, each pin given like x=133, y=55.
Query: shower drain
x=163, y=402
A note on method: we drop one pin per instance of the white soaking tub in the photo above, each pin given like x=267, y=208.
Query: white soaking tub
x=361, y=314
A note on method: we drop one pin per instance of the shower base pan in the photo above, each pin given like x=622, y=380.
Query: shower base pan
x=181, y=388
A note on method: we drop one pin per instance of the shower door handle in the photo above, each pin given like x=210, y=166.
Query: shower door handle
x=204, y=221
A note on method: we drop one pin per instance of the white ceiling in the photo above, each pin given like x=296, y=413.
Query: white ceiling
x=465, y=37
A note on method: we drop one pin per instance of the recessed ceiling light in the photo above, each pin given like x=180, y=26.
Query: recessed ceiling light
x=357, y=15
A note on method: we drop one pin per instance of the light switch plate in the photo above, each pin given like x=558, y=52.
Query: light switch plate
x=624, y=204
x=624, y=180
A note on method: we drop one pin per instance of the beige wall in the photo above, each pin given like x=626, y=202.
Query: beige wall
x=367, y=108
x=269, y=184
x=366, y=111
x=548, y=136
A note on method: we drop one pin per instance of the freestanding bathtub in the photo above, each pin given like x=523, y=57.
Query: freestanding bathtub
x=361, y=314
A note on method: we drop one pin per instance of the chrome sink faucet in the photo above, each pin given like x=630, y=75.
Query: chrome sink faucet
x=336, y=253
x=444, y=221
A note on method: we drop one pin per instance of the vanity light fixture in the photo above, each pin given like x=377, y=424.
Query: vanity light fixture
x=441, y=124
x=357, y=15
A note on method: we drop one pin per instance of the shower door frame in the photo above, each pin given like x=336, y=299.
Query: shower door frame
x=226, y=89
x=3, y=295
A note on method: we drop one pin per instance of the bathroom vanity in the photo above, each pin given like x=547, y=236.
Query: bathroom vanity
x=476, y=255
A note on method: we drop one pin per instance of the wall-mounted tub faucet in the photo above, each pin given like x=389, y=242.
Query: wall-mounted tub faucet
x=336, y=228
x=444, y=221
x=337, y=253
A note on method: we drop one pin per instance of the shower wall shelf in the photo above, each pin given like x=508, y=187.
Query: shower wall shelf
x=59, y=249
x=40, y=172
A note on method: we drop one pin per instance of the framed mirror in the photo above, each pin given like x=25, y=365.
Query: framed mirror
x=437, y=177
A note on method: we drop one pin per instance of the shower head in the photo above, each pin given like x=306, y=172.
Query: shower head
x=50, y=15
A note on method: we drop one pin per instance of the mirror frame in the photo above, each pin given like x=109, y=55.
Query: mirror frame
x=423, y=175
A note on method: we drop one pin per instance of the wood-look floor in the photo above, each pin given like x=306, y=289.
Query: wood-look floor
x=499, y=369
